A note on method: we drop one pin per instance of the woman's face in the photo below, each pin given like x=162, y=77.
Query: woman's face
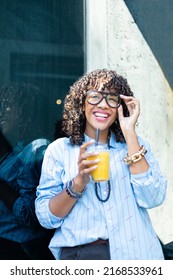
x=9, y=121
x=99, y=116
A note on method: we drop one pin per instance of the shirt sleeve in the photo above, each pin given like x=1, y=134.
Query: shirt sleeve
x=50, y=185
x=27, y=180
x=149, y=187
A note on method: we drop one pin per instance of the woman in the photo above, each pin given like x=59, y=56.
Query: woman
x=115, y=224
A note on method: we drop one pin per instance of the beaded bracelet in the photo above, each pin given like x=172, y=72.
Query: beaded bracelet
x=71, y=191
x=135, y=157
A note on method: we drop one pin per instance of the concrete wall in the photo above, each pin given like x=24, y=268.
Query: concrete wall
x=114, y=41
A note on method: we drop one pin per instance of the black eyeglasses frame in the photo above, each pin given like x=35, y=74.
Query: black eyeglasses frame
x=104, y=96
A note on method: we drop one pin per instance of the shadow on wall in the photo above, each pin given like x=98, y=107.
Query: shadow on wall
x=156, y=29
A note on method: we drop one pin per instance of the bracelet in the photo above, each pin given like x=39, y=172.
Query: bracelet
x=71, y=191
x=136, y=157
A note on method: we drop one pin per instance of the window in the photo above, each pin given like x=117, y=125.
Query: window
x=41, y=44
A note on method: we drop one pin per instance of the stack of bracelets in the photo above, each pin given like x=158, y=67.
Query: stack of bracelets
x=136, y=157
x=71, y=191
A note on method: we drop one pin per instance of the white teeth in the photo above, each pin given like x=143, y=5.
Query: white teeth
x=101, y=115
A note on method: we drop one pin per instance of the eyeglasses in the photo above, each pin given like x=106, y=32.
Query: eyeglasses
x=94, y=97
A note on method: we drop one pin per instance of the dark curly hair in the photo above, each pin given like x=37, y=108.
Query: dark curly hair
x=25, y=99
x=74, y=119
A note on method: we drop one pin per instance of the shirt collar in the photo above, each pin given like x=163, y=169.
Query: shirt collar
x=112, y=141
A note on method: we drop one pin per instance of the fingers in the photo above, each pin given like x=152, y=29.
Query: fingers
x=87, y=161
x=84, y=146
x=86, y=171
x=133, y=104
x=83, y=154
x=130, y=100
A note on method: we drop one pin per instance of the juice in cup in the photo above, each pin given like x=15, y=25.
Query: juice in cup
x=101, y=173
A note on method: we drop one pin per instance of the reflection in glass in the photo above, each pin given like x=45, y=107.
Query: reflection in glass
x=19, y=117
x=42, y=44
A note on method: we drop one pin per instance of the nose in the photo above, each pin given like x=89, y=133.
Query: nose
x=103, y=103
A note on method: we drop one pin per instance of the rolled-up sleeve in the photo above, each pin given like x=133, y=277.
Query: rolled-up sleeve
x=149, y=187
x=50, y=185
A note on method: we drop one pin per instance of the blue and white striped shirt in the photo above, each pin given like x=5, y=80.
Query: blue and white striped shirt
x=123, y=219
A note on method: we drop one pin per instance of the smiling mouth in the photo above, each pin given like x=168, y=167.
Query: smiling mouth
x=101, y=115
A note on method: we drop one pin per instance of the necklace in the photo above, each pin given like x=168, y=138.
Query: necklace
x=97, y=185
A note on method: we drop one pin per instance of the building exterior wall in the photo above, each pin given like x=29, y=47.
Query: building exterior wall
x=114, y=40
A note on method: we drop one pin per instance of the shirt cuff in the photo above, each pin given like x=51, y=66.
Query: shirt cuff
x=54, y=220
x=141, y=178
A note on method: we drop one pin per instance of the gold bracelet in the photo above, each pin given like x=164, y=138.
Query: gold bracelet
x=135, y=157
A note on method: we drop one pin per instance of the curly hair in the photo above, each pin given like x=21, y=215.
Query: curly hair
x=74, y=119
x=23, y=98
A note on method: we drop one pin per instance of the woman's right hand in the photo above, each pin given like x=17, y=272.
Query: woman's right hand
x=85, y=166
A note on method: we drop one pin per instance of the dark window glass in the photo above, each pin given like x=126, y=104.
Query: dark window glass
x=41, y=44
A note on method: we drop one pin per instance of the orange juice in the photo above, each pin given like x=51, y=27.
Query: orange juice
x=101, y=173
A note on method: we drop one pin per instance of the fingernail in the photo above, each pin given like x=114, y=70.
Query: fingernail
x=95, y=166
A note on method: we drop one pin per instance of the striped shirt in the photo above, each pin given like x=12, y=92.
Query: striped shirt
x=123, y=219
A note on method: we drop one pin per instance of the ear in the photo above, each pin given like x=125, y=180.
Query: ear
x=83, y=107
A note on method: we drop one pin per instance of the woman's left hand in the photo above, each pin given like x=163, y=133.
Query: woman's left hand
x=133, y=106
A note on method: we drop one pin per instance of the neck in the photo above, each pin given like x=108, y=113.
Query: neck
x=103, y=137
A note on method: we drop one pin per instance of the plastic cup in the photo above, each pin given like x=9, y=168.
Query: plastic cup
x=101, y=173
